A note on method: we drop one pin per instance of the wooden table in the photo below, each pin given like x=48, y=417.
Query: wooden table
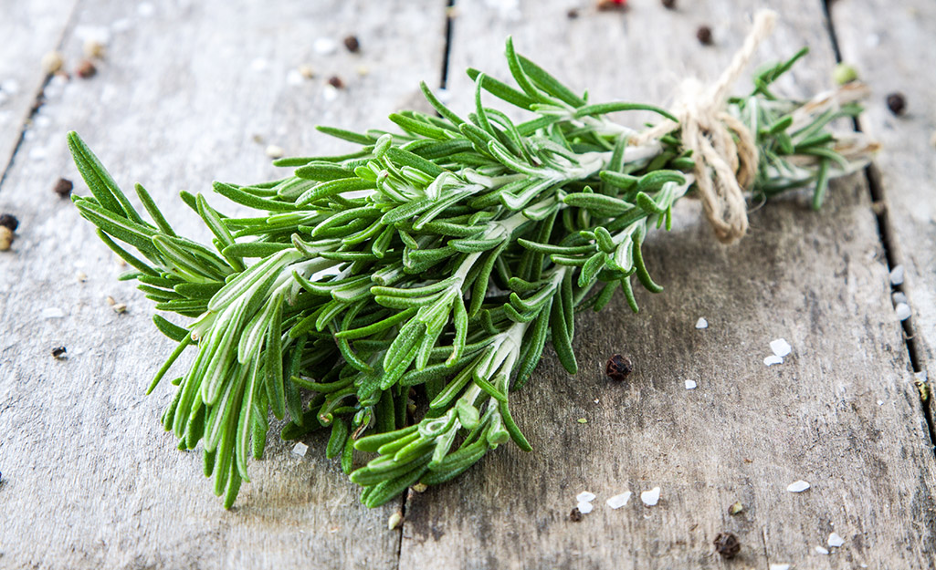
x=184, y=93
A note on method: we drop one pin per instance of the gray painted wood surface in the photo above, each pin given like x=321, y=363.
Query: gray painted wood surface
x=893, y=48
x=90, y=481
x=29, y=31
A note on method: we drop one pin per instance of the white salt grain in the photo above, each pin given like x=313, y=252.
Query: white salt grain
x=835, y=540
x=650, y=497
x=329, y=93
x=145, y=9
x=880, y=402
x=274, y=151
x=325, y=46
x=897, y=275
x=121, y=25
x=779, y=567
x=585, y=497
x=52, y=313
x=294, y=77
x=300, y=449
x=798, y=486
x=701, y=323
x=903, y=311
x=40, y=153
x=585, y=508
x=821, y=550
x=691, y=384
x=618, y=501
x=11, y=86
x=780, y=347
x=899, y=297
x=773, y=359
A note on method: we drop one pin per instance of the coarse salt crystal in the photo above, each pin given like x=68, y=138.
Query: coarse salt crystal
x=835, y=540
x=899, y=297
x=773, y=359
x=618, y=501
x=903, y=311
x=294, y=77
x=121, y=25
x=690, y=384
x=779, y=567
x=52, y=313
x=897, y=275
x=822, y=550
x=40, y=153
x=274, y=151
x=329, y=93
x=780, y=347
x=798, y=486
x=585, y=508
x=650, y=497
x=880, y=402
x=145, y=9
x=11, y=86
x=701, y=323
x=585, y=497
x=300, y=449
x=325, y=46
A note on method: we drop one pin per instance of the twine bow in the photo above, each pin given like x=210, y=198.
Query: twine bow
x=724, y=149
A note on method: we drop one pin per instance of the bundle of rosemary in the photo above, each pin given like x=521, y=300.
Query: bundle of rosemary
x=437, y=261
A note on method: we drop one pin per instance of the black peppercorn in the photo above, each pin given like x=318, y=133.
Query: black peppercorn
x=572, y=14
x=618, y=367
x=575, y=515
x=336, y=82
x=897, y=103
x=704, y=33
x=9, y=221
x=60, y=352
x=63, y=187
x=352, y=43
x=727, y=545
x=86, y=69
x=669, y=4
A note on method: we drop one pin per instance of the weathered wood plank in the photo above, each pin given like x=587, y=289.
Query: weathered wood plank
x=841, y=412
x=29, y=30
x=90, y=480
x=893, y=48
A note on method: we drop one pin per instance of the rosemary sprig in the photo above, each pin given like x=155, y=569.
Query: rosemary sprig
x=439, y=259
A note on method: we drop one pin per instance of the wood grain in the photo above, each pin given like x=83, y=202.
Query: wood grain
x=89, y=478
x=90, y=481
x=893, y=49
x=29, y=30
x=840, y=413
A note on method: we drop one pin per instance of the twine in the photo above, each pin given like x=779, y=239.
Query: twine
x=724, y=149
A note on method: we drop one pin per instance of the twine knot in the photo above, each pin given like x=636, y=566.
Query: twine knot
x=724, y=149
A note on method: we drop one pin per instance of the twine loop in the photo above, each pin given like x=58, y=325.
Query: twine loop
x=724, y=149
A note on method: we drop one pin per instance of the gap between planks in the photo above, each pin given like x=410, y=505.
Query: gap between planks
x=39, y=94
x=888, y=243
